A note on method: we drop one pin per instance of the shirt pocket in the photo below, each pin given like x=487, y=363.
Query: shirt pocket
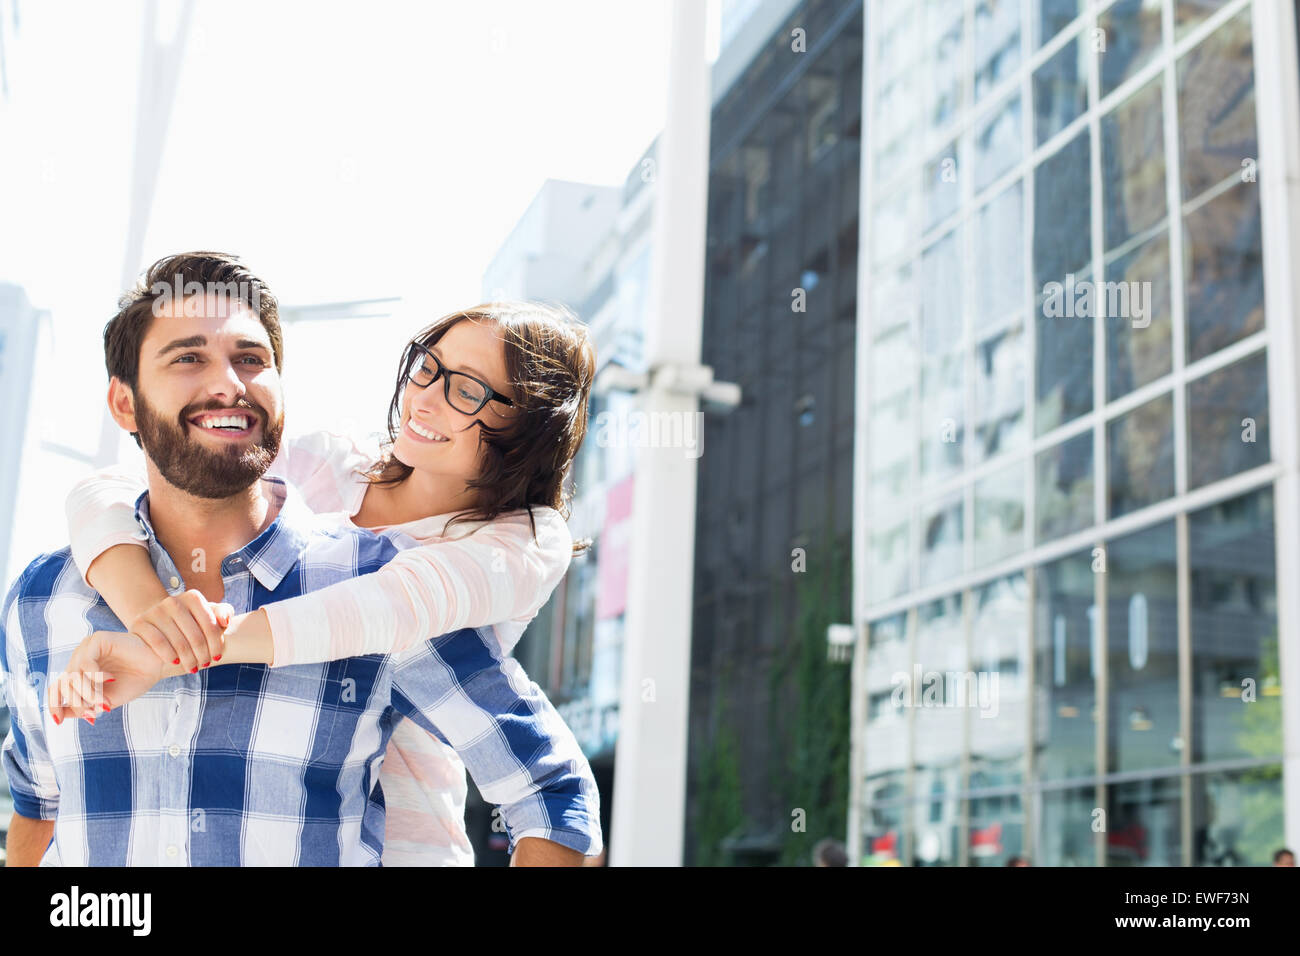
x=287, y=713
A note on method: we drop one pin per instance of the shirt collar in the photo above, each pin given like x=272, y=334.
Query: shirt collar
x=272, y=554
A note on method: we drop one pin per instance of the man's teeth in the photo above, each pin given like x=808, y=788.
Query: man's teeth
x=229, y=421
x=424, y=432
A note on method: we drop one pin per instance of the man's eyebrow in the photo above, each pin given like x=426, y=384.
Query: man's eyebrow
x=198, y=341
x=465, y=368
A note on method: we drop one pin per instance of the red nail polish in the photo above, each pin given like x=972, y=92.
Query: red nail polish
x=217, y=658
x=194, y=670
x=177, y=661
x=106, y=708
x=109, y=680
x=57, y=719
x=91, y=719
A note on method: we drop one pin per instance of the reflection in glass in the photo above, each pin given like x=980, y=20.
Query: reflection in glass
x=1064, y=488
x=1236, y=691
x=944, y=29
x=1065, y=691
x=1138, y=349
x=941, y=546
x=1189, y=13
x=943, y=424
x=1225, y=278
x=1000, y=393
x=1142, y=624
x=941, y=295
x=939, y=718
x=997, y=42
x=1132, y=30
x=884, y=753
x=997, y=828
x=997, y=144
x=1216, y=107
x=1143, y=825
x=999, y=259
x=942, y=192
x=1133, y=165
x=1228, y=421
x=897, y=219
x=1062, y=213
x=883, y=833
x=1000, y=662
x=889, y=550
x=1065, y=836
x=1063, y=368
x=1052, y=16
x=1000, y=515
x=1237, y=817
x=1060, y=91
x=1140, y=447
x=895, y=298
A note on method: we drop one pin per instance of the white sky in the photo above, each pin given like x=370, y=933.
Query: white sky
x=344, y=150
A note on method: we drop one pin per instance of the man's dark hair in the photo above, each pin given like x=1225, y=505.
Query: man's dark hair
x=166, y=279
x=830, y=852
x=1277, y=857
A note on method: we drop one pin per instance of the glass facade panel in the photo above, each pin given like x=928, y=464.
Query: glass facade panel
x=1132, y=29
x=1216, y=107
x=999, y=410
x=1139, y=346
x=999, y=254
x=1225, y=282
x=999, y=723
x=1237, y=817
x=1000, y=515
x=997, y=42
x=1065, y=836
x=1143, y=823
x=997, y=144
x=1133, y=165
x=1065, y=674
x=1228, y=421
x=1236, y=688
x=1140, y=450
x=1064, y=488
x=1144, y=731
x=1060, y=91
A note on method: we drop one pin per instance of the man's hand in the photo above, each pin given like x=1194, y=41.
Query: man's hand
x=106, y=670
x=534, y=851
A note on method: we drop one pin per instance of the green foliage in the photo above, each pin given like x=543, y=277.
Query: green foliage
x=720, y=813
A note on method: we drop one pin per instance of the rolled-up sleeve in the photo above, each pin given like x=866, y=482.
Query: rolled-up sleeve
x=26, y=760
x=521, y=754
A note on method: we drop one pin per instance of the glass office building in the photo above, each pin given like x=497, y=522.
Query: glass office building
x=1076, y=538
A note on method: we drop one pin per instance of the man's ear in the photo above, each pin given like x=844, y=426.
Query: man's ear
x=121, y=404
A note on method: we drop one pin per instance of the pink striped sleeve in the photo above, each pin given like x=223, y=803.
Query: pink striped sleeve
x=101, y=512
x=322, y=467
x=497, y=573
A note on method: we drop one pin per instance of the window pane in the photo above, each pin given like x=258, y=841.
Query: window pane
x=1000, y=515
x=999, y=255
x=1000, y=662
x=1234, y=631
x=941, y=295
x=884, y=754
x=883, y=833
x=1237, y=817
x=1225, y=281
x=941, y=189
x=942, y=419
x=1065, y=674
x=890, y=553
x=1060, y=91
x=1065, y=836
x=1143, y=821
x=1064, y=488
x=997, y=42
x=938, y=723
x=1140, y=446
x=1142, y=626
x=1000, y=393
x=1138, y=349
x=1052, y=16
x=997, y=144
x=1063, y=366
x=943, y=32
x=895, y=298
x=997, y=829
x=1133, y=165
x=1228, y=421
x=941, y=527
x=1062, y=213
x=897, y=219
x=1216, y=107
x=1132, y=29
x=1189, y=13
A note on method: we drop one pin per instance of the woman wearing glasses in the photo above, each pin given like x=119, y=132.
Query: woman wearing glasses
x=488, y=412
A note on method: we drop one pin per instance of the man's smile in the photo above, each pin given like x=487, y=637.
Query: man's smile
x=227, y=423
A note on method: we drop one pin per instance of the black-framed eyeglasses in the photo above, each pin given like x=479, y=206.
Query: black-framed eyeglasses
x=464, y=392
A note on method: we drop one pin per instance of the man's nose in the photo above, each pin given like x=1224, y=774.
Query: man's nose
x=223, y=382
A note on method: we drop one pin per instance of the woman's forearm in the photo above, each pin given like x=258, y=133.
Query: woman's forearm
x=248, y=640
x=125, y=577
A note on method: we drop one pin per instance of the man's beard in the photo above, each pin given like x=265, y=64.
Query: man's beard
x=201, y=471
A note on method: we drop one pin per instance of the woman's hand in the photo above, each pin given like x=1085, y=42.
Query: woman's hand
x=107, y=670
x=185, y=630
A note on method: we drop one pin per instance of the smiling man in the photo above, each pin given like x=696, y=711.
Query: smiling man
x=244, y=764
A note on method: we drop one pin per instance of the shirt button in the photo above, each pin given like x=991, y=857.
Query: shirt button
x=172, y=851
x=174, y=751
x=175, y=582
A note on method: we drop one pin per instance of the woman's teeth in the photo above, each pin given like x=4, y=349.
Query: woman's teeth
x=424, y=432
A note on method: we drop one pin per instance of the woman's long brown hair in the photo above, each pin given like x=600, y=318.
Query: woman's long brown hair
x=550, y=365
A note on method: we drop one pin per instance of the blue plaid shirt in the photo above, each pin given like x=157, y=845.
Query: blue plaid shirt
x=247, y=765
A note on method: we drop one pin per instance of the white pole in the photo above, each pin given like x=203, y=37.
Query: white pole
x=648, y=817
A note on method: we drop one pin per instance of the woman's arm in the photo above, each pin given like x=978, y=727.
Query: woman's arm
x=498, y=573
